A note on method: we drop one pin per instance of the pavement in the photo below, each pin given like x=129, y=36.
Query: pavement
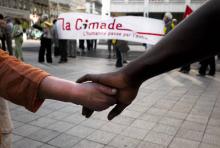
x=172, y=110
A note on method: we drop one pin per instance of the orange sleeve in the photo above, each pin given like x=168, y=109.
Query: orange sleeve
x=19, y=82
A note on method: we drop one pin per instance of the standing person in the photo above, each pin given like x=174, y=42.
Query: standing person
x=125, y=54
x=8, y=35
x=46, y=43
x=145, y=46
x=109, y=43
x=121, y=48
x=45, y=40
x=2, y=31
x=168, y=22
x=119, y=62
x=174, y=23
x=91, y=45
x=94, y=44
x=124, y=50
x=63, y=45
x=55, y=39
x=17, y=34
x=88, y=43
x=82, y=46
x=209, y=62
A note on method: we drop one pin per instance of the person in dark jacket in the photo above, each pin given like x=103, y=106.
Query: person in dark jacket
x=46, y=39
x=55, y=39
x=8, y=35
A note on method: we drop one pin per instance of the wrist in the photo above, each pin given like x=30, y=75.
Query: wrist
x=77, y=94
x=131, y=75
x=59, y=89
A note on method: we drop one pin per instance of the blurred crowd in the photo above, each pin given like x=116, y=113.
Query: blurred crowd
x=11, y=29
x=51, y=45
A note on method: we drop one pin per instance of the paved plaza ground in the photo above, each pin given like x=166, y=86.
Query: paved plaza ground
x=172, y=110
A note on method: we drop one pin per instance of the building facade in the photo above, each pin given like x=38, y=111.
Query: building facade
x=39, y=7
x=24, y=8
x=15, y=8
x=93, y=6
x=155, y=8
x=61, y=6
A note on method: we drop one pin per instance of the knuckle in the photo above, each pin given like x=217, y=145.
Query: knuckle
x=86, y=76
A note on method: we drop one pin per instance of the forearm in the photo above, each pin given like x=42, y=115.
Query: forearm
x=59, y=89
x=92, y=95
x=191, y=40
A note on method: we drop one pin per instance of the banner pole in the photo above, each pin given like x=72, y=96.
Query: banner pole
x=146, y=8
x=145, y=3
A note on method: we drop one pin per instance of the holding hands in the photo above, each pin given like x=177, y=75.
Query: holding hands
x=95, y=96
x=126, y=90
x=91, y=95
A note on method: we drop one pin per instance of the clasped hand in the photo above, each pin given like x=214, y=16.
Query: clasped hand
x=125, y=94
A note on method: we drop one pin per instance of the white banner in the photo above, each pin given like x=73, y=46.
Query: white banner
x=89, y=26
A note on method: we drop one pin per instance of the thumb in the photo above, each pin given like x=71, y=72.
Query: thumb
x=87, y=77
x=116, y=111
x=107, y=90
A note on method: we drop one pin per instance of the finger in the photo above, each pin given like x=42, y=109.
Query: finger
x=116, y=111
x=107, y=79
x=87, y=112
x=106, y=102
x=107, y=90
x=88, y=77
x=112, y=101
x=102, y=103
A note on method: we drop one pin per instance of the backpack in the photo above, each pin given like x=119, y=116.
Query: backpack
x=18, y=31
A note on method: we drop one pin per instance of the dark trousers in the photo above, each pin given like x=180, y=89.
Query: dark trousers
x=109, y=42
x=94, y=44
x=9, y=44
x=45, y=47
x=81, y=45
x=204, y=65
x=56, y=51
x=63, y=50
x=88, y=43
x=3, y=43
x=119, y=62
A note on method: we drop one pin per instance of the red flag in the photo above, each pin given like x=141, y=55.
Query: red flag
x=188, y=11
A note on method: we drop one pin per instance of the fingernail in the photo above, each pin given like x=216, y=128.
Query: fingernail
x=114, y=91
